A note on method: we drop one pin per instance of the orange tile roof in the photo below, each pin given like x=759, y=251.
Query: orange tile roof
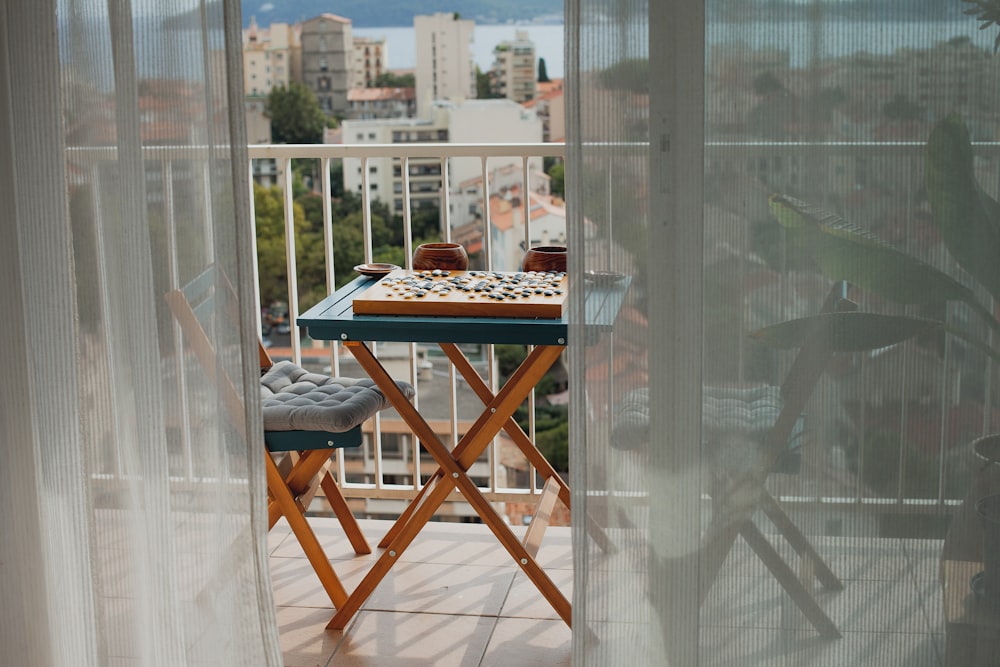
x=377, y=94
x=502, y=210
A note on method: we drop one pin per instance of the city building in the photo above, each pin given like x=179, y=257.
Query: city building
x=513, y=72
x=491, y=121
x=445, y=68
x=369, y=103
x=550, y=107
x=370, y=57
x=385, y=177
x=327, y=59
x=270, y=57
x=547, y=214
x=471, y=121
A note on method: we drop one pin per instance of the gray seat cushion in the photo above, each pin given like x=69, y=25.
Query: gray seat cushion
x=294, y=399
x=732, y=418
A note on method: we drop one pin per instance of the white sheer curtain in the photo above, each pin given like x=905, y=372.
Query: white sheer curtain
x=132, y=523
x=684, y=118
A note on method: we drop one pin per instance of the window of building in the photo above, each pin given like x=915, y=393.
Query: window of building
x=371, y=135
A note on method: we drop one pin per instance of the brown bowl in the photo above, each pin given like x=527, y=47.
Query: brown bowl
x=450, y=256
x=545, y=258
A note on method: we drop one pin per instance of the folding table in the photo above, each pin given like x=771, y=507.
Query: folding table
x=334, y=319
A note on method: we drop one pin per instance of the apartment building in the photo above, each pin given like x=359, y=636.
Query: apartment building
x=445, y=68
x=550, y=106
x=513, y=72
x=491, y=121
x=327, y=59
x=270, y=57
x=469, y=121
x=369, y=59
x=371, y=103
x=385, y=177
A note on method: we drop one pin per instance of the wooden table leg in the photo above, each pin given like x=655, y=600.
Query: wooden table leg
x=453, y=472
x=522, y=441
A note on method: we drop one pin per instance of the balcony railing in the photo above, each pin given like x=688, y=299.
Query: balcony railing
x=389, y=469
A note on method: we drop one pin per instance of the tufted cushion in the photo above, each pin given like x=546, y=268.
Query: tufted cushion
x=734, y=416
x=294, y=399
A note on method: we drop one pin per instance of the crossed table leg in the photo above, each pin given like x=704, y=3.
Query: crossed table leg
x=453, y=471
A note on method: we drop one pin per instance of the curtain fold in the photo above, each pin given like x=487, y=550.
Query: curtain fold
x=790, y=386
x=134, y=528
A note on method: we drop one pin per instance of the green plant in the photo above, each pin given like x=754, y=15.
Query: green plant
x=988, y=13
x=968, y=220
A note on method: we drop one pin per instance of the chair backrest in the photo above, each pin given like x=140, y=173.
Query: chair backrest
x=197, y=307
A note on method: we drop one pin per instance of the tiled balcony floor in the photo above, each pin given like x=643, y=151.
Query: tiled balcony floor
x=456, y=598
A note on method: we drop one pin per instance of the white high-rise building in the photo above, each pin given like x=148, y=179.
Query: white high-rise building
x=492, y=121
x=445, y=68
x=513, y=71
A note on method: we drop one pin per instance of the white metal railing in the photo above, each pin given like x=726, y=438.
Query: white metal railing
x=443, y=153
x=495, y=486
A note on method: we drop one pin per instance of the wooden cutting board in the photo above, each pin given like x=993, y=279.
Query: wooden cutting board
x=466, y=294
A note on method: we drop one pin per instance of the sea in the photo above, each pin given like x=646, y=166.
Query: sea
x=548, y=39
x=838, y=38
x=604, y=43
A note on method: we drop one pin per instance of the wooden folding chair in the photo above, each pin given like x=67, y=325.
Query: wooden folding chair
x=735, y=497
x=307, y=417
x=738, y=491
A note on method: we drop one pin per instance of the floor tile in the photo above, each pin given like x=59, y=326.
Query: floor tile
x=728, y=647
x=436, y=543
x=305, y=641
x=392, y=639
x=863, y=648
x=525, y=600
x=517, y=642
x=442, y=589
x=456, y=598
x=295, y=583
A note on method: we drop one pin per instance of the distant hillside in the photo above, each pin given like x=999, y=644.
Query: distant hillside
x=388, y=13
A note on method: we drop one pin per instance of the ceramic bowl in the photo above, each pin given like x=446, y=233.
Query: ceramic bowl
x=375, y=270
x=545, y=258
x=449, y=256
x=603, y=277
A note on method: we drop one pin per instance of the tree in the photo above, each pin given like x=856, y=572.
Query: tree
x=557, y=174
x=767, y=84
x=484, y=85
x=987, y=12
x=543, y=75
x=393, y=80
x=902, y=108
x=271, y=263
x=295, y=115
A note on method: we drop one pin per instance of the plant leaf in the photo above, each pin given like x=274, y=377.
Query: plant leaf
x=845, y=251
x=968, y=218
x=844, y=331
